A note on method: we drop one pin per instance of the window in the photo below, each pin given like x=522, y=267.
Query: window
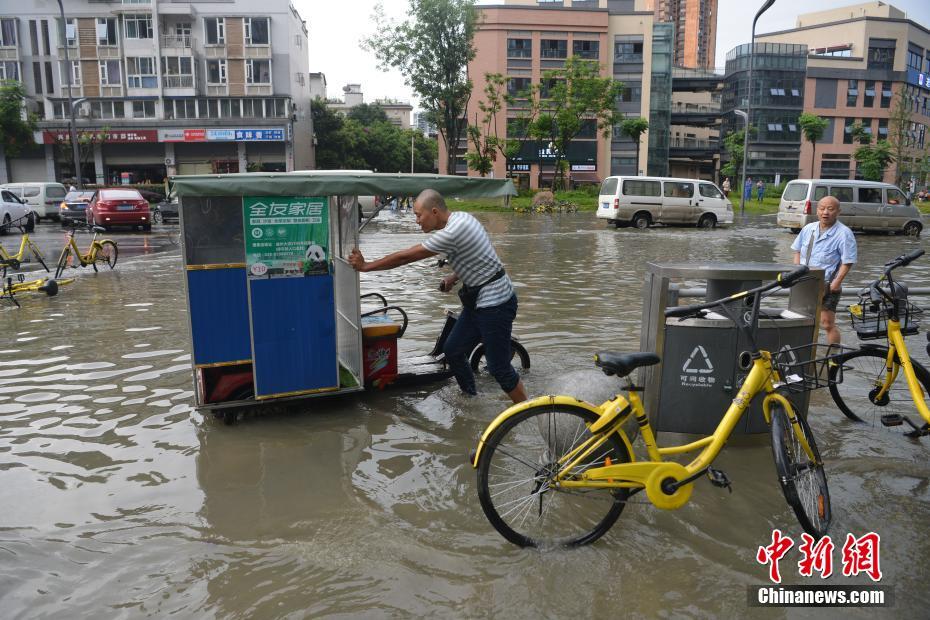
x=679, y=190
x=843, y=194
x=138, y=26
x=914, y=59
x=586, y=49
x=49, y=82
x=642, y=188
x=275, y=108
x=256, y=31
x=588, y=129
x=628, y=52
x=547, y=86
x=517, y=86
x=60, y=109
x=177, y=65
x=215, y=28
x=519, y=48
x=883, y=129
x=848, y=130
x=181, y=108
x=69, y=34
x=866, y=124
x=608, y=187
x=140, y=72
x=881, y=58
x=143, y=109
x=895, y=197
x=258, y=72
x=870, y=195
x=709, y=191
x=216, y=71
x=630, y=94
x=852, y=93
x=8, y=33
x=75, y=72
x=37, y=76
x=252, y=108
x=9, y=70
x=107, y=109
x=34, y=37
x=106, y=31
x=553, y=48
x=869, y=98
x=819, y=192
x=795, y=191
x=886, y=95
x=110, y=73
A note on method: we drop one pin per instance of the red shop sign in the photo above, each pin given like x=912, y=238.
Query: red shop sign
x=113, y=135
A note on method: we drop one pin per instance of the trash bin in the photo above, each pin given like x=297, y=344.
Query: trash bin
x=379, y=349
x=692, y=387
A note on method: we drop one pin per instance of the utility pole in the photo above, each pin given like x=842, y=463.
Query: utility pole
x=78, y=175
x=412, y=138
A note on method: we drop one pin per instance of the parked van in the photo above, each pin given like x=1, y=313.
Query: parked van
x=864, y=205
x=644, y=201
x=43, y=198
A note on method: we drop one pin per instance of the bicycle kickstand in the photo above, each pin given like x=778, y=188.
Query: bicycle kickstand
x=919, y=431
x=8, y=291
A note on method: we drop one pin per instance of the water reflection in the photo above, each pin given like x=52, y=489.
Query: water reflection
x=120, y=500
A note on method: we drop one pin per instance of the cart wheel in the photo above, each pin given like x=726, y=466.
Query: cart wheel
x=516, y=349
x=230, y=416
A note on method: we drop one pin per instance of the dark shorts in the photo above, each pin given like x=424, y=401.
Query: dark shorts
x=830, y=299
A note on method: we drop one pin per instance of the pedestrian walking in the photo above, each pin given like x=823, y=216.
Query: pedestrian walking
x=726, y=186
x=747, y=189
x=830, y=245
x=489, y=302
x=760, y=190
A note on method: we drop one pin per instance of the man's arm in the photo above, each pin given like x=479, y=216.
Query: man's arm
x=837, y=281
x=396, y=259
x=797, y=258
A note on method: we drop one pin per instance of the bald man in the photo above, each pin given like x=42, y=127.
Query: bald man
x=489, y=303
x=829, y=244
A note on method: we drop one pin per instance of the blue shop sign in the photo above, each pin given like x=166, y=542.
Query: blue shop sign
x=260, y=135
x=917, y=78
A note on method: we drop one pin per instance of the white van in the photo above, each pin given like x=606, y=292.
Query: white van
x=644, y=201
x=864, y=205
x=43, y=198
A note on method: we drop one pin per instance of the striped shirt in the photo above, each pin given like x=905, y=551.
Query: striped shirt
x=465, y=243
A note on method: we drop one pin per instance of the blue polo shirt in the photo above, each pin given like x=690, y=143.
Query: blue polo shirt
x=834, y=247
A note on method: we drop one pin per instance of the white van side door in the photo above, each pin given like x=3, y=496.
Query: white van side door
x=678, y=203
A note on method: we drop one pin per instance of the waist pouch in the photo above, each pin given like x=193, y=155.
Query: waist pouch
x=469, y=294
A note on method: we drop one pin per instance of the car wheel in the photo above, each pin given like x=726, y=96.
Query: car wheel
x=157, y=217
x=707, y=221
x=641, y=221
x=30, y=222
x=912, y=229
x=5, y=227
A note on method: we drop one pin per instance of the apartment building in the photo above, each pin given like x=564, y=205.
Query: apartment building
x=397, y=111
x=861, y=60
x=160, y=87
x=695, y=23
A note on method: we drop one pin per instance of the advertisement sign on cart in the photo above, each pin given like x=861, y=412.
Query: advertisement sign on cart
x=286, y=236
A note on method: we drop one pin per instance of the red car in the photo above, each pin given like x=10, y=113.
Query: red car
x=119, y=207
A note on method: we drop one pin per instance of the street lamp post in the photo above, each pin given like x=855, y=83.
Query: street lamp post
x=72, y=133
x=752, y=49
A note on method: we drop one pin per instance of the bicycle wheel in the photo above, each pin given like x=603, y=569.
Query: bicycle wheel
x=62, y=262
x=802, y=480
x=35, y=252
x=514, y=472
x=863, y=375
x=107, y=254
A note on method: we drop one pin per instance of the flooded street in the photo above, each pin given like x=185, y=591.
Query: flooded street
x=120, y=500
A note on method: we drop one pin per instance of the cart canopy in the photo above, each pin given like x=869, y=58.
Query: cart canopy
x=335, y=183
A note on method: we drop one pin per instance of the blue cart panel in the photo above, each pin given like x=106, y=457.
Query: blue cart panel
x=219, y=314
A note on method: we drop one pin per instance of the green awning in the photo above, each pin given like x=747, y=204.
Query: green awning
x=338, y=183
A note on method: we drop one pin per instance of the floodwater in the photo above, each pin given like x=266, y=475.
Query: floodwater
x=118, y=499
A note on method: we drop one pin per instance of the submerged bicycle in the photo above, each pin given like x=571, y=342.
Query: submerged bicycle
x=873, y=389
x=557, y=471
x=104, y=252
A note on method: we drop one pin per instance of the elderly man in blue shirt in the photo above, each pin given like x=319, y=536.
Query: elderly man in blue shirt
x=830, y=245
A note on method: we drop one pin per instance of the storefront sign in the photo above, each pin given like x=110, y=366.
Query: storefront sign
x=915, y=77
x=579, y=152
x=286, y=237
x=583, y=168
x=113, y=135
x=272, y=134
x=518, y=167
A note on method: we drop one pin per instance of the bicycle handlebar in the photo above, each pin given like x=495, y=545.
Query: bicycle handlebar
x=903, y=260
x=784, y=280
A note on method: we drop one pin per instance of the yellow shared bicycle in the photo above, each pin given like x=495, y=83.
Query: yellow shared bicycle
x=14, y=285
x=557, y=471
x=103, y=252
x=14, y=261
x=882, y=382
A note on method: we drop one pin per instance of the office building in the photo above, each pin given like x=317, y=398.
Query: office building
x=160, y=87
x=695, y=25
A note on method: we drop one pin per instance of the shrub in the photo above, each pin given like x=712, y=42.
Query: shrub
x=544, y=198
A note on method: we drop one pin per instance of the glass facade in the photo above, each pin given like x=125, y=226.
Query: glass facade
x=778, y=75
x=660, y=101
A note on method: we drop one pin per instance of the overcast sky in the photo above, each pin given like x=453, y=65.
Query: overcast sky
x=336, y=28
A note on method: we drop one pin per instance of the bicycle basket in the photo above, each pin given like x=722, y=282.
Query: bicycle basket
x=806, y=368
x=870, y=319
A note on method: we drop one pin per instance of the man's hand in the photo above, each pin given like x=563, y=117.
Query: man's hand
x=446, y=284
x=357, y=260
x=836, y=286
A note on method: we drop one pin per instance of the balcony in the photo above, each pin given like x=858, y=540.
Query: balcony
x=176, y=44
x=218, y=90
x=214, y=51
x=259, y=89
x=9, y=53
x=693, y=148
x=177, y=81
x=257, y=51
x=108, y=51
x=696, y=115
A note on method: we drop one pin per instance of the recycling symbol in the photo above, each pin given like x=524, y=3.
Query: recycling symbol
x=700, y=361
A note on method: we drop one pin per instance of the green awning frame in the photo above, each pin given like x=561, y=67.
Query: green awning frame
x=335, y=183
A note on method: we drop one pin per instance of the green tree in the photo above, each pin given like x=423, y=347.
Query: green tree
x=431, y=49
x=874, y=159
x=330, y=148
x=813, y=128
x=733, y=145
x=483, y=134
x=634, y=128
x=16, y=127
x=368, y=113
x=567, y=98
x=899, y=135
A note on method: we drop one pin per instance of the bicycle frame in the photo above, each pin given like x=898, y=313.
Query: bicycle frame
x=899, y=357
x=84, y=258
x=24, y=242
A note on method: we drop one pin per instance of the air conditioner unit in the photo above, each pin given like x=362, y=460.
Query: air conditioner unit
x=169, y=161
x=84, y=110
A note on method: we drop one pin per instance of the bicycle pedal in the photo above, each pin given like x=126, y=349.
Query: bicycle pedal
x=719, y=479
x=892, y=419
x=918, y=432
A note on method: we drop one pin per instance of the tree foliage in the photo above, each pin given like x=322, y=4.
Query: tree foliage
x=565, y=99
x=813, y=128
x=348, y=143
x=15, y=131
x=733, y=144
x=899, y=137
x=431, y=49
x=634, y=128
x=872, y=159
x=368, y=113
x=483, y=136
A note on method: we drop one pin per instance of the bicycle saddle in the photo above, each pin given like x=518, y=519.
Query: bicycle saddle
x=622, y=364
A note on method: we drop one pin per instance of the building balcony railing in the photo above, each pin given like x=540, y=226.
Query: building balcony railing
x=9, y=53
x=218, y=89
x=178, y=81
x=214, y=51
x=108, y=51
x=554, y=54
x=180, y=41
x=259, y=89
x=257, y=51
x=693, y=143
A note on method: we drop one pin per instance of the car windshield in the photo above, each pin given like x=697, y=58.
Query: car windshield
x=79, y=196
x=120, y=194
